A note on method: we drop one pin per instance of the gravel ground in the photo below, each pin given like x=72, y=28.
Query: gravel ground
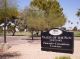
x=32, y=49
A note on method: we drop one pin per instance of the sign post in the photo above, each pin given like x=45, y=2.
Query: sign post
x=57, y=40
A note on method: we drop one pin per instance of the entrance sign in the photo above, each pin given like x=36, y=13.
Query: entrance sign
x=57, y=40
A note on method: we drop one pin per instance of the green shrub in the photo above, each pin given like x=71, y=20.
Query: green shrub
x=1, y=31
x=63, y=57
x=77, y=33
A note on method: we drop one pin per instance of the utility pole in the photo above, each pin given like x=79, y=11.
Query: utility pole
x=5, y=19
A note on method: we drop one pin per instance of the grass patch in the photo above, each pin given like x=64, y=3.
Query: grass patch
x=63, y=57
x=76, y=33
x=19, y=34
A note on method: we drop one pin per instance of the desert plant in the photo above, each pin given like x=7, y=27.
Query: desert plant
x=4, y=47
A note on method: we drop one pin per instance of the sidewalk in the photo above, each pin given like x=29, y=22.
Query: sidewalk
x=32, y=50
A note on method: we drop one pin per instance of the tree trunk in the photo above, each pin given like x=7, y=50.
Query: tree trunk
x=37, y=33
x=13, y=31
x=32, y=35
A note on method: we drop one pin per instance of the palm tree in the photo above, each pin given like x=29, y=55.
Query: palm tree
x=78, y=13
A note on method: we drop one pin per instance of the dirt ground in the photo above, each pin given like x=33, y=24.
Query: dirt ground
x=32, y=49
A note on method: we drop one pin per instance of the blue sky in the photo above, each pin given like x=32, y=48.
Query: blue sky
x=23, y=3
x=70, y=8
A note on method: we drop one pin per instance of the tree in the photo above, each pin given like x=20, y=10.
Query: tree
x=78, y=13
x=43, y=15
x=75, y=28
x=7, y=12
x=36, y=25
x=11, y=10
x=34, y=20
x=11, y=28
x=53, y=12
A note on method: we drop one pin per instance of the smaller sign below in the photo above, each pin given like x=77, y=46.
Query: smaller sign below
x=57, y=40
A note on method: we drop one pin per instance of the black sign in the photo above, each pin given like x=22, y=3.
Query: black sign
x=57, y=41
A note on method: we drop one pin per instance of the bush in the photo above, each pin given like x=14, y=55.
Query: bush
x=1, y=31
x=63, y=57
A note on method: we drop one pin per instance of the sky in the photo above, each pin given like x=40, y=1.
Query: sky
x=70, y=7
